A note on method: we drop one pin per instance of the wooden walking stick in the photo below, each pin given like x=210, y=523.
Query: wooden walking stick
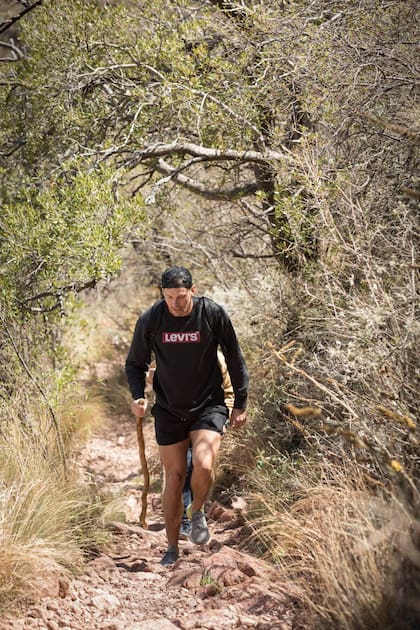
x=145, y=471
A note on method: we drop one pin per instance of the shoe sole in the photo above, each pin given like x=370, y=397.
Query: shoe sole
x=168, y=559
x=201, y=542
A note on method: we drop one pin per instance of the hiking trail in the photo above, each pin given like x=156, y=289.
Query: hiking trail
x=214, y=586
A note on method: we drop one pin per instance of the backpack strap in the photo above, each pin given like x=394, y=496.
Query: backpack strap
x=211, y=314
x=156, y=314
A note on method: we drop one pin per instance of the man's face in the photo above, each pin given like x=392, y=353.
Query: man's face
x=179, y=301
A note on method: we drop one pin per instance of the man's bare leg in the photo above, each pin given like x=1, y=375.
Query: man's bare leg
x=173, y=459
x=205, y=446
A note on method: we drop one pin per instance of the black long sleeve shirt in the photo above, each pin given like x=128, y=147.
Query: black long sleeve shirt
x=187, y=376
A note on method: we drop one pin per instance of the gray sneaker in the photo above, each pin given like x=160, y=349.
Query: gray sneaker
x=169, y=557
x=199, y=530
x=185, y=529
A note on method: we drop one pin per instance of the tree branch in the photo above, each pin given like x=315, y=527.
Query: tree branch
x=199, y=188
x=76, y=287
x=16, y=53
x=16, y=18
x=237, y=254
x=211, y=155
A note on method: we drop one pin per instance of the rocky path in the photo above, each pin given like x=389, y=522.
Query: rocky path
x=124, y=588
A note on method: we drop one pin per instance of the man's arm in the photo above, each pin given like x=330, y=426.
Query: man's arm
x=137, y=365
x=227, y=383
x=235, y=364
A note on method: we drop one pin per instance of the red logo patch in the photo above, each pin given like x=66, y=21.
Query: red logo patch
x=181, y=337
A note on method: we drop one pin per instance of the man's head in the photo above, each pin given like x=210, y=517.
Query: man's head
x=176, y=277
x=177, y=290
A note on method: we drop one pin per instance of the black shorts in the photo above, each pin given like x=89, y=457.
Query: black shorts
x=170, y=429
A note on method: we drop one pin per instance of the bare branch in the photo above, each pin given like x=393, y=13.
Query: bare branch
x=209, y=154
x=199, y=188
x=16, y=53
x=401, y=130
x=75, y=287
x=16, y=18
x=237, y=254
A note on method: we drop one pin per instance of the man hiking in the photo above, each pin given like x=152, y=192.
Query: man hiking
x=229, y=397
x=183, y=331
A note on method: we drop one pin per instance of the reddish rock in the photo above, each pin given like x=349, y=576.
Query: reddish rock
x=48, y=586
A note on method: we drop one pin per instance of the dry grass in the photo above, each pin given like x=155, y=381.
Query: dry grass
x=334, y=494
x=349, y=554
x=21, y=567
x=47, y=522
x=81, y=412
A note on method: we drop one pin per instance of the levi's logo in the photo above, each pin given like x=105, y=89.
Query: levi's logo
x=181, y=337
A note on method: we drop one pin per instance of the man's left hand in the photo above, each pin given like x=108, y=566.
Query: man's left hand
x=238, y=418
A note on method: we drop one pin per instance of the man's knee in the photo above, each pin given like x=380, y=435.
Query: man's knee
x=204, y=465
x=174, y=479
x=204, y=455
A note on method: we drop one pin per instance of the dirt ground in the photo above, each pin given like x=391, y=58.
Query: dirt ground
x=214, y=586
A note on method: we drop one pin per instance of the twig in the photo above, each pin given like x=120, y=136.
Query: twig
x=16, y=18
x=310, y=378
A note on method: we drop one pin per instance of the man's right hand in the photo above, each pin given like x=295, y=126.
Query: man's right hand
x=138, y=407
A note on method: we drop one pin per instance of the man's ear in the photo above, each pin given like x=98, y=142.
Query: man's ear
x=193, y=289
